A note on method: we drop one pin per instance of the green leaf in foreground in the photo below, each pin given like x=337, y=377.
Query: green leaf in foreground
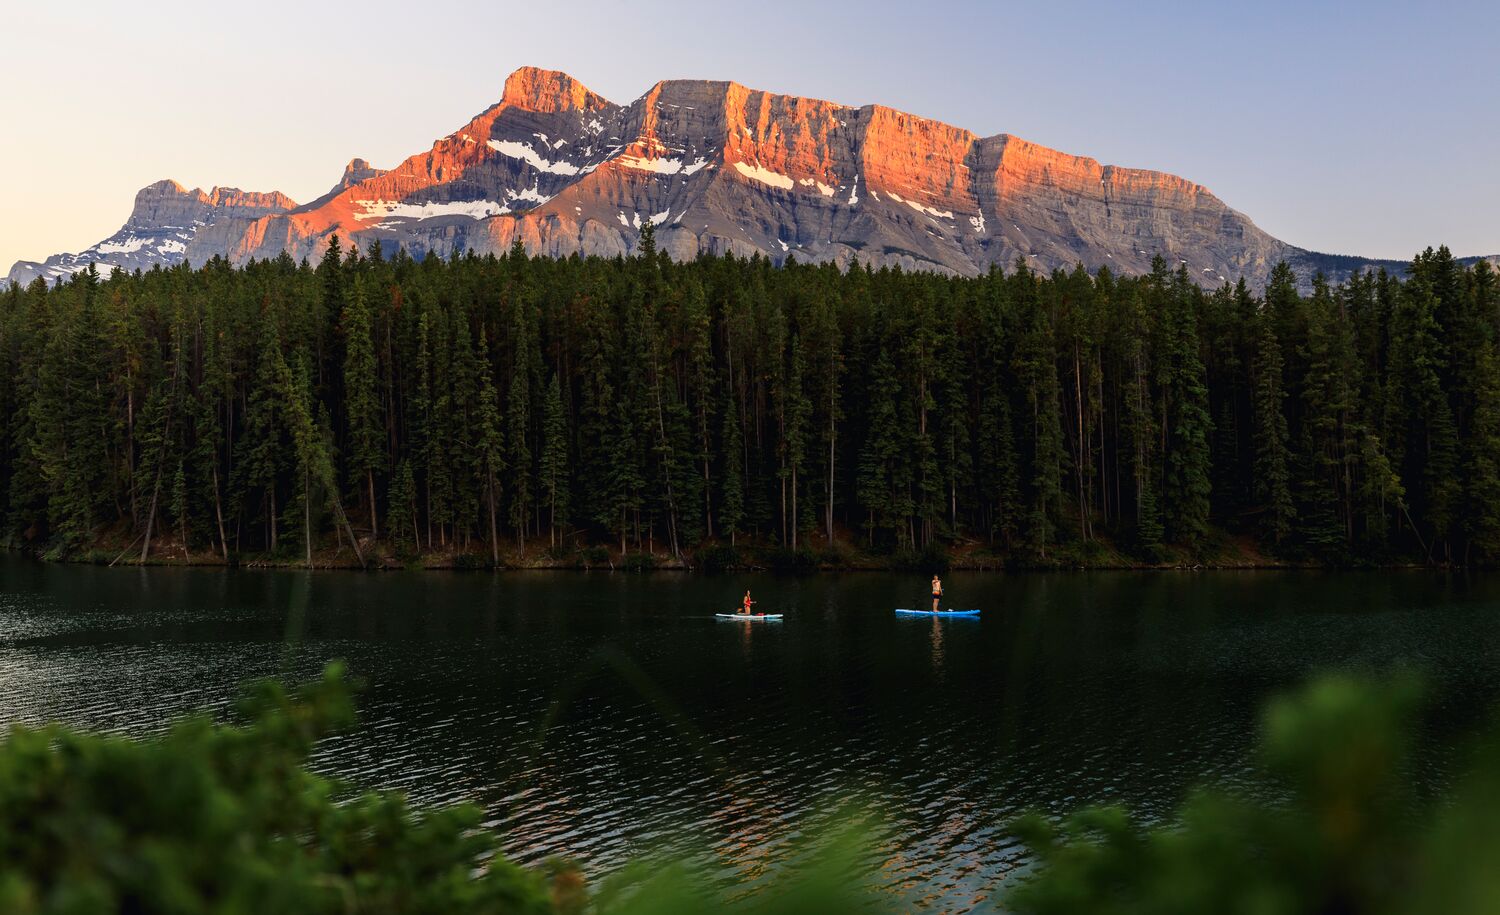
x=1332, y=825
x=221, y=818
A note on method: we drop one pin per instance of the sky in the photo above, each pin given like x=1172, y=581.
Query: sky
x=1354, y=128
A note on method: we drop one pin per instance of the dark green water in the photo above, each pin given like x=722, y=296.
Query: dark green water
x=728, y=741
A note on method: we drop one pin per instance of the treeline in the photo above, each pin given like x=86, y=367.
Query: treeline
x=487, y=404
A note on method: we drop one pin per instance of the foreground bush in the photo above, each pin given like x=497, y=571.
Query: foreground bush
x=1332, y=825
x=227, y=819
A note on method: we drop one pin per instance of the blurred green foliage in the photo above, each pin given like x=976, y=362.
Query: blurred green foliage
x=1332, y=824
x=226, y=818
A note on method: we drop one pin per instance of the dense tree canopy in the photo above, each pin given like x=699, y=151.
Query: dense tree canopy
x=484, y=404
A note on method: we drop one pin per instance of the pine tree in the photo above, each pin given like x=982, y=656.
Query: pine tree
x=1140, y=428
x=1005, y=492
x=518, y=428
x=796, y=410
x=1481, y=381
x=1186, y=459
x=443, y=459
x=1482, y=499
x=732, y=497
x=401, y=497
x=1036, y=373
x=462, y=444
x=310, y=439
x=1422, y=426
x=1330, y=429
x=698, y=326
x=263, y=447
x=178, y=505
x=884, y=480
x=554, y=466
x=490, y=435
x=1272, y=486
x=421, y=430
x=828, y=369
x=362, y=399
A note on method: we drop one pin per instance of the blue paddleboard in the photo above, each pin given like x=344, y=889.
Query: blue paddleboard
x=938, y=612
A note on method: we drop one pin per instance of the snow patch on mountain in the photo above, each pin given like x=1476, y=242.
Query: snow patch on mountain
x=660, y=166
x=129, y=245
x=525, y=153
x=763, y=175
x=474, y=209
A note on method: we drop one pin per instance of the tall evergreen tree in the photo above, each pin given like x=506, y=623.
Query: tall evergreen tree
x=554, y=467
x=1187, y=472
x=367, y=451
x=490, y=456
x=1272, y=488
x=518, y=425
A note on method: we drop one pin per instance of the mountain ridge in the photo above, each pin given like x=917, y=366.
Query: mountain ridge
x=719, y=167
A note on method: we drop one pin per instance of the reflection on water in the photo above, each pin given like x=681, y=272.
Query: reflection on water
x=608, y=716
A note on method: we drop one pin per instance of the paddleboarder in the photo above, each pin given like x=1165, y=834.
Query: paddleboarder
x=937, y=592
x=746, y=604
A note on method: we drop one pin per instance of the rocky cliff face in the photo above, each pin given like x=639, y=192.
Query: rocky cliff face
x=719, y=167
x=168, y=225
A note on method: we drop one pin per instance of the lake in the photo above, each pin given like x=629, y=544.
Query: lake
x=606, y=716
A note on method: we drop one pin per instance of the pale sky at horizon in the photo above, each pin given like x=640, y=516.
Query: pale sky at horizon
x=1365, y=128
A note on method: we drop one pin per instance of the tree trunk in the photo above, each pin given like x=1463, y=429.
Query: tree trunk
x=374, y=522
x=219, y=512
x=661, y=426
x=794, y=506
x=338, y=509
x=166, y=436
x=708, y=496
x=1079, y=464
x=494, y=523
x=151, y=515
x=307, y=515
x=130, y=440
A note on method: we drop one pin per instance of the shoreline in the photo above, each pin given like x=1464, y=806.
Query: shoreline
x=752, y=560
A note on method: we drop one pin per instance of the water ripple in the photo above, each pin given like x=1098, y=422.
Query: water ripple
x=751, y=739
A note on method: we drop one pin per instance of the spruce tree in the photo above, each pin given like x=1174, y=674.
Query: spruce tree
x=1036, y=372
x=1482, y=498
x=554, y=466
x=401, y=497
x=518, y=425
x=1272, y=486
x=490, y=455
x=732, y=495
x=367, y=452
x=1187, y=474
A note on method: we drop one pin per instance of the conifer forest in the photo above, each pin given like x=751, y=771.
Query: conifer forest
x=497, y=407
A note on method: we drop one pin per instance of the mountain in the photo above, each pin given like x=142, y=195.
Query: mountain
x=169, y=224
x=718, y=167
